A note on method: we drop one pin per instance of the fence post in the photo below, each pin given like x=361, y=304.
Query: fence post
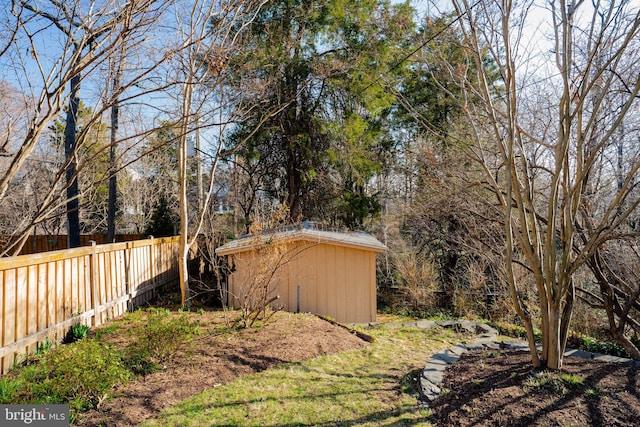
x=128, y=274
x=151, y=262
x=93, y=276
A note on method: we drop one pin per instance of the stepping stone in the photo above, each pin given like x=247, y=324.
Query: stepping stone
x=468, y=326
x=430, y=391
x=451, y=324
x=485, y=330
x=447, y=356
x=431, y=374
x=409, y=325
x=579, y=353
x=612, y=359
x=395, y=325
x=515, y=345
x=441, y=363
x=458, y=349
x=483, y=344
x=491, y=345
x=475, y=346
x=426, y=324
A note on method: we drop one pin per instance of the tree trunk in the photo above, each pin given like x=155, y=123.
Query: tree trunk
x=113, y=183
x=567, y=313
x=607, y=280
x=184, y=273
x=113, y=161
x=187, y=99
x=626, y=343
x=531, y=340
x=294, y=179
x=70, y=143
x=184, y=212
x=552, y=351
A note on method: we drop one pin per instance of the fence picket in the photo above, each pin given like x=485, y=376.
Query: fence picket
x=9, y=314
x=42, y=295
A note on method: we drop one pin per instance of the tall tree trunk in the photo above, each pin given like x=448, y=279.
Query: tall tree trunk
x=187, y=101
x=70, y=143
x=184, y=217
x=113, y=154
x=551, y=348
x=113, y=183
x=294, y=182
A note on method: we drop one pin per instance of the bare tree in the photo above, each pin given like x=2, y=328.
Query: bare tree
x=208, y=31
x=540, y=168
x=43, y=76
x=81, y=42
x=85, y=39
x=615, y=268
x=614, y=263
x=116, y=69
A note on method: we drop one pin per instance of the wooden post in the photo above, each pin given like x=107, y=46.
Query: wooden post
x=127, y=274
x=93, y=276
x=151, y=261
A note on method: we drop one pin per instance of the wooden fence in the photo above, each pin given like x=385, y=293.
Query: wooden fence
x=43, y=295
x=45, y=243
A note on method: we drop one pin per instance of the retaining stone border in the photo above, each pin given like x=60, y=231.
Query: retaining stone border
x=433, y=371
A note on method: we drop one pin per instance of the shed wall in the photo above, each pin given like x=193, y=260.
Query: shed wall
x=334, y=281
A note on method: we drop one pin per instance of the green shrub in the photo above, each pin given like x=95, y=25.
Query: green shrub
x=162, y=223
x=140, y=362
x=82, y=375
x=43, y=347
x=76, y=333
x=160, y=335
x=8, y=390
x=594, y=345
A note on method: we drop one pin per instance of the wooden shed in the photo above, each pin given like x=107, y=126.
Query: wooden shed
x=331, y=273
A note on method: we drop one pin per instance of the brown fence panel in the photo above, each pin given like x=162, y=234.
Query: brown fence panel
x=42, y=295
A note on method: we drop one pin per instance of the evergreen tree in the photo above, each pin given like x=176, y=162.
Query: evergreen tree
x=162, y=223
x=319, y=63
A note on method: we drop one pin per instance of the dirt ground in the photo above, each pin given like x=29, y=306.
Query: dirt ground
x=217, y=358
x=498, y=389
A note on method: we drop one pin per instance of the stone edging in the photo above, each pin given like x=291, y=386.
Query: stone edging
x=433, y=372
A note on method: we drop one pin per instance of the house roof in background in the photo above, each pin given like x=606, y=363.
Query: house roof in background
x=308, y=232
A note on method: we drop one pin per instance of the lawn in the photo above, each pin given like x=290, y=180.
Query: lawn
x=372, y=386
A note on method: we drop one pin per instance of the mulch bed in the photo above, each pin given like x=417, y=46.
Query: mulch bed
x=499, y=388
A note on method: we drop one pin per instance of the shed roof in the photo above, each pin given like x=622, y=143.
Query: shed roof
x=308, y=233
